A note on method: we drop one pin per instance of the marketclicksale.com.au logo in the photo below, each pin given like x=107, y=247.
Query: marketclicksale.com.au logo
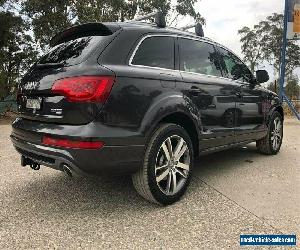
x=268, y=240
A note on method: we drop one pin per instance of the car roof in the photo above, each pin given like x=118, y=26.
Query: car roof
x=142, y=27
x=146, y=27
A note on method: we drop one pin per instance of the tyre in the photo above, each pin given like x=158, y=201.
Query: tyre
x=167, y=165
x=271, y=143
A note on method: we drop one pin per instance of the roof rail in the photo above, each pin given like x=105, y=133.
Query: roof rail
x=198, y=29
x=159, y=18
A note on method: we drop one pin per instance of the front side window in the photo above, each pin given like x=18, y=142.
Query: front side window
x=198, y=57
x=155, y=52
x=233, y=67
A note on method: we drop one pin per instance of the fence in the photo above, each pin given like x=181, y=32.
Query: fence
x=8, y=104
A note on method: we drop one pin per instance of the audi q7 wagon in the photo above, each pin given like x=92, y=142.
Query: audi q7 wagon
x=141, y=99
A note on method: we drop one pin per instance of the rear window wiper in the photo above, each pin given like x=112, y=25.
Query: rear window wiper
x=50, y=65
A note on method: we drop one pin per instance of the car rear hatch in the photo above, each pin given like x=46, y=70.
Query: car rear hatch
x=59, y=87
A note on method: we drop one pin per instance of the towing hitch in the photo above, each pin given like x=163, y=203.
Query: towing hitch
x=35, y=166
x=28, y=162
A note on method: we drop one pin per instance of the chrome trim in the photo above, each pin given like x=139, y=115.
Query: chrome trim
x=162, y=35
x=200, y=39
x=210, y=76
x=151, y=67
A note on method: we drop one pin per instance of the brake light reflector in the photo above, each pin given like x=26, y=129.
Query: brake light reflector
x=84, y=88
x=66, y=143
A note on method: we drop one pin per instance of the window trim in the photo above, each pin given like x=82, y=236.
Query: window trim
x=215, y=44
x=238, y=81
x=201, y=41
x=138, y=46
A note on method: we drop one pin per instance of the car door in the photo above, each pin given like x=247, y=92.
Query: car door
x=204, y=86
x=249, y=118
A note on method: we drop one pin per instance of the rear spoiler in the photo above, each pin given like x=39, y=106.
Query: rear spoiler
x=87, y=29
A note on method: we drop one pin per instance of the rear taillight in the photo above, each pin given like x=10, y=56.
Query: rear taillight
x=67, y=143
x=84, y=88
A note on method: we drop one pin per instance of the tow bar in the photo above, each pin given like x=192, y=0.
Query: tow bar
x=35, y=166
x=28, y=162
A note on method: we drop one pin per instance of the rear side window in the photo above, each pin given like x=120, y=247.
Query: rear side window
x=155, y=52
x=74, y=51
x=233, y=67
x=198, y=57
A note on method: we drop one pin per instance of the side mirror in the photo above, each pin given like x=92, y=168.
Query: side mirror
x=262, y=76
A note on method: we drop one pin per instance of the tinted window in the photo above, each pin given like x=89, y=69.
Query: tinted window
x=74, y=51
x=233, y=67
x=199, y=57
x=155, y=52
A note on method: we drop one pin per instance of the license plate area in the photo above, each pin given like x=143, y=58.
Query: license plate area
x=33, y=103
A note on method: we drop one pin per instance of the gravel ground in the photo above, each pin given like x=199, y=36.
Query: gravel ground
x=233, y=192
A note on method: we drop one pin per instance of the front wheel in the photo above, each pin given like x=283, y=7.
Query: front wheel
x=271, y=143
x=167, y=165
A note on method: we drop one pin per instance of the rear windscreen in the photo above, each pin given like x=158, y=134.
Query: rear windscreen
x=74, y=51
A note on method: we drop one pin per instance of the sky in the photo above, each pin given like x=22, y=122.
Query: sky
x=225, y=17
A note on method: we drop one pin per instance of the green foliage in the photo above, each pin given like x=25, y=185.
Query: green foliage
x=103, y=11
x=251, y=47
x=48, y=17
x=264, y=42
x=16, y=51
x=292, y=89
x=51, y=16
x=28, y=25
x=274, y=86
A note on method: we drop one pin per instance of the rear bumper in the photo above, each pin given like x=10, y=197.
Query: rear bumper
x=111, y=159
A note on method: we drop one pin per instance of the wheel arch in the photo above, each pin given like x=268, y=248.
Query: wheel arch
x=280, y=110
x=186, y=122
x=173, y=109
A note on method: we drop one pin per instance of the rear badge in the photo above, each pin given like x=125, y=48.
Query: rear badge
x=57, y=111
x=30, y=86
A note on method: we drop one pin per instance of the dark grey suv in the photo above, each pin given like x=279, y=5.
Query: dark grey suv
x=140, y=99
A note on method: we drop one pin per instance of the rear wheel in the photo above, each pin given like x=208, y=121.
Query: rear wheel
x=271, y=143
x=167, y=165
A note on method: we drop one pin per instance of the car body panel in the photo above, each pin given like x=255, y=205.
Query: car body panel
x=140, y=99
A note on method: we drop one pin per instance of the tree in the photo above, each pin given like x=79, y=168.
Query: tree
x=104, y=11
x=271, y=35
x=251, y=47
x=28, y=25
x=274, y=86
x=49, y=17
x=265, y=42
x=292, y=88
x=16, y=51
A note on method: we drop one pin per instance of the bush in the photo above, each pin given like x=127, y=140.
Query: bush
x=287, y=111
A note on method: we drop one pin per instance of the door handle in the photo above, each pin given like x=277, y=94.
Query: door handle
x=167, y=77
x=238, y=94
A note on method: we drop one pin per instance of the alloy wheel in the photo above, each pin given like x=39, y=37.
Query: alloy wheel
x=172, y=165
x=276, y=133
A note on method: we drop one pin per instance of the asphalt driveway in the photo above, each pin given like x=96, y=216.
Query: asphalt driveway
x=232, y=192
